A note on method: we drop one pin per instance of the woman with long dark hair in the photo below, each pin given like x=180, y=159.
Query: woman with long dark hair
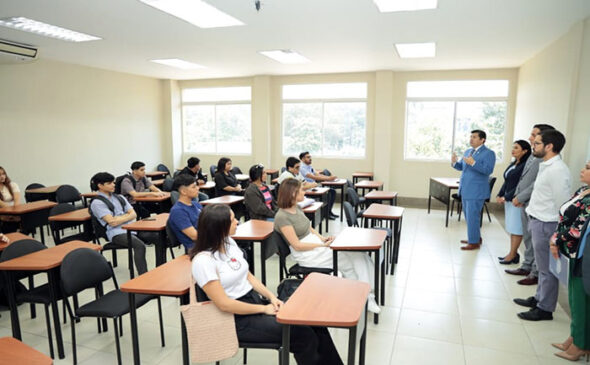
x=225, y=181
x=9, y=196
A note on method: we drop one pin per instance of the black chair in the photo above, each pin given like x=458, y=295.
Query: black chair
x=168, y=184
x=212, y=170
x=67, y=194
x=176, y=173
x=163, y=168
x=108, y=246
x=456, y=197
x=352, y=221
x=86, y=269
x=357, y=202
x=296, y=270
x=58, y=227
x=283, y=169
x=32, y=197
x=172, y=239
x=236, y=170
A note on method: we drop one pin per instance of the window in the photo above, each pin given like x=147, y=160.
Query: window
x=327, y=120
x=440, y=115
x=217, y=120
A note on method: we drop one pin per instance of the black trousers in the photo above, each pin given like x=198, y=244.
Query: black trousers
x=309, y=345
x=331, y=199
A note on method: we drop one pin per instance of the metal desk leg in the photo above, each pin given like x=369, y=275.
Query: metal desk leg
x=429, y=202
x=10, y=291
x=341, y=202
x=375, y=315
x=161, y=248
x=286, y=344
x=448, y=202
x=53, y=287
x=352, y=345
x=185, y=354
x=130, y=255
x=134, y=335
x=383, y=270
x=335, y=262
x=363, y=343
x=262, y=262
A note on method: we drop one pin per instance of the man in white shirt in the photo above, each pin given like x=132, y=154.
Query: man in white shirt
x=293, y=165
x=311, y=176
x=552, y=188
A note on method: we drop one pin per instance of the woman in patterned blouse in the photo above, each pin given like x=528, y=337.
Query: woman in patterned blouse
x=566, y=240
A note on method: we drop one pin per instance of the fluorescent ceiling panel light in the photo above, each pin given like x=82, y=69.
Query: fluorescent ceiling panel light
x=416, y=50
x=196, y=12
x=386, y=6
x=47, y=30
x=285, y=56
x=175, y=62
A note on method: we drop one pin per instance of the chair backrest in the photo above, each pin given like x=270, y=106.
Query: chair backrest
x=327, y=172
x=284, y=251
x=350, y=214
x=492, y=181
x=212, y=170
x=67, y=194
x=236, y=170
x=163, y=168
x=172, y=240
x=352, y=197
x=83, y=268
x=31, y=197
x=283, y=169
x=18, y=249
x=174, y=195
x=168, y=184
x=176, y=173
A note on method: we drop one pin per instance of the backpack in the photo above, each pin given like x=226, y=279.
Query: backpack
x=99, y=229
x=119, y=181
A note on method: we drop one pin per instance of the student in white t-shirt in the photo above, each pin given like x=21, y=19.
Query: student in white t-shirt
x=9, y=196
x=220, y=269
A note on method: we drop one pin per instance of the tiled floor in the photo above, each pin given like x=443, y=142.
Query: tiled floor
x=443, y=306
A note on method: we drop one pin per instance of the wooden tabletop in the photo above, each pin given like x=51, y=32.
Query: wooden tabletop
x=28, y=207
x=44, y=190
x=226, y=199
x=369, y=184
x=271, y=171
x=242, y=177
x=207, y=185
x=383, y=211
x=46, y=259
x=80, y=215
x=337, y=182
x=172, y=279
x=158, y=182
x=92, y=194
x=151, y=224
x=156, y=173
x=254, y=230
x=451, y=182
x=13, y=237
x=353, y=238
x=13, y=352
x=316, y=191
x=381, y=195
x=326, y=301
x=154, y=199
x=313, y=208
x=362, y=174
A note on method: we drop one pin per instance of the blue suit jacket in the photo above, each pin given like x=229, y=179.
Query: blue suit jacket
x=474, y=182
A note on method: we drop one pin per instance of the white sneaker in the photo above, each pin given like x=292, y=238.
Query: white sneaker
x=372, y=305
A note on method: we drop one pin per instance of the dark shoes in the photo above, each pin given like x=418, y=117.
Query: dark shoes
x=515, y=260
x=529, y=280
x=530, y=302
x=333, y=216
x=536, y=314
x=465, y=242
x=519, y=272
x=474, y=246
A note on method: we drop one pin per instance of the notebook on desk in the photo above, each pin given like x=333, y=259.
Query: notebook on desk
x=560, y=268
x=306, y=203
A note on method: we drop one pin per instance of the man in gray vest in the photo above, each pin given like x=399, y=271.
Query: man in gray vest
x=522, y=195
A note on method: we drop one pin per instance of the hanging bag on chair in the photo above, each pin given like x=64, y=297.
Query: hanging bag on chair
x=211, y=333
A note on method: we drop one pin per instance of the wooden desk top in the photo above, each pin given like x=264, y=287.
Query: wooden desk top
x=451, y=182
x=13, y=237
x=254, y=230
x=80, y=215
x=92, y=194
x=242, y=177
x=154, y=199
x=271, y=171
x=381, y=195
x=46, y=259
x=337, y=182
x=158, y=182
x=156, y=173
x=362, y=174
x=12, y=351
x=158, y=224
x=318, y=191
x=207, y=185
x=353, y=238
x=383, y=211
x=325, y=300
x=369, y=184
x=226, y=199
x=172, y=279
x=45, y=190
x=313, y=208
x=28, y=207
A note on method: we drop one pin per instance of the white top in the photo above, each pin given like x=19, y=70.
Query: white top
x=310, y=255
x=288, y=175
x=6, y=196
x=552, y=188
x=231, y=269
x=568, y=203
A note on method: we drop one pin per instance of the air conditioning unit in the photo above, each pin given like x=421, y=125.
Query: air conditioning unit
x=11, y=52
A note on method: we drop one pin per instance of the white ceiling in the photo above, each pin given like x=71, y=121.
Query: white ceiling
x=336, y=35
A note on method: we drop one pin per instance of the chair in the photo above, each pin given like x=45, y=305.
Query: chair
x=163, y=168
x=57, y=227
x=85, y=269
x=168, y=184
x=236, y=170
x=212, y=170
x=283, y=169
x=172, y=239
x=176, y=173
x=295, y=270
x=174, y=195
x=67, y=194
x=357, y=202
x=32, y=197
x=97, y=231
x=492, y=182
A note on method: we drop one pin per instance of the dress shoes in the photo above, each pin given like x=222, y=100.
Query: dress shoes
x=530, y=302
x=472, y=247
x=536, y=314
x=464, y=241
x=519, y=272
x=515, y=260
x=529, y=280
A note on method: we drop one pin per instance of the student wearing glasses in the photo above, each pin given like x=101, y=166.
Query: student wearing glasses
x=311, y=175
x=293, y=166
x=257, y=197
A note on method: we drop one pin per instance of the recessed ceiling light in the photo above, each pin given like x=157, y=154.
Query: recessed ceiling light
x=416, y=50
x=286, y=56
x=178, y=63
x=386, y=6
x=44, y=29
x=196, y=12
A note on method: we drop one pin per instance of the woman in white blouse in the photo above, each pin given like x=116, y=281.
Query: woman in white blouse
x=9, y=196
x=220, y=269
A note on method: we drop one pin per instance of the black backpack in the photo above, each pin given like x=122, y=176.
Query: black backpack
x=99, y=229
x=119, y=181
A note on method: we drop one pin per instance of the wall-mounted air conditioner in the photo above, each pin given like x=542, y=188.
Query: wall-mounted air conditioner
x=11, y=52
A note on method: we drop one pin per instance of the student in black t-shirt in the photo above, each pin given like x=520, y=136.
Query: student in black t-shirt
x=193, y=168
x=225, y=181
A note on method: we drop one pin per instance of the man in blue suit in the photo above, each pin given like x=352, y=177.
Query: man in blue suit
x=474, y=187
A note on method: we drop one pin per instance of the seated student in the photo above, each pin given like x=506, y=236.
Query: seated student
x=193, y=168
x=220, y=269
x=113, y=219
x=294, y=226
x=184, y=215
x=311, y=175
x=9, y=196
x=135, y=186
x=225, y=181
x=257, y=196
x=292, y=172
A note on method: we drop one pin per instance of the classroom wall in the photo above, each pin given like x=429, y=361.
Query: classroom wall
x=61, y=123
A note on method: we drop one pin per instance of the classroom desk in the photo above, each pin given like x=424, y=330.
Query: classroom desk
x=242, y=177
x=153, y=174
x=337, y=184
x=356, y=176
x=312, y=212
x=321, y=194
x=379, y=196
x=160, y=200
x=88, y=196
x=47, y=192
x=32, y=214
x=255, y=230
x=272, y=174
x=354, y=239
x=440, y=189
x=207, y=186
x=391, y=214
x=319, y=302
x=151, y=224
x=13, y=352
x=225, y=199
x=80, y=216
x=368, y=185
x=170, y=279
x=48, y=261
x=13, y=237
x=158, y=182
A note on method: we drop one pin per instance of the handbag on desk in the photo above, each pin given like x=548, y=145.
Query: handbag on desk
x=211, y=333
